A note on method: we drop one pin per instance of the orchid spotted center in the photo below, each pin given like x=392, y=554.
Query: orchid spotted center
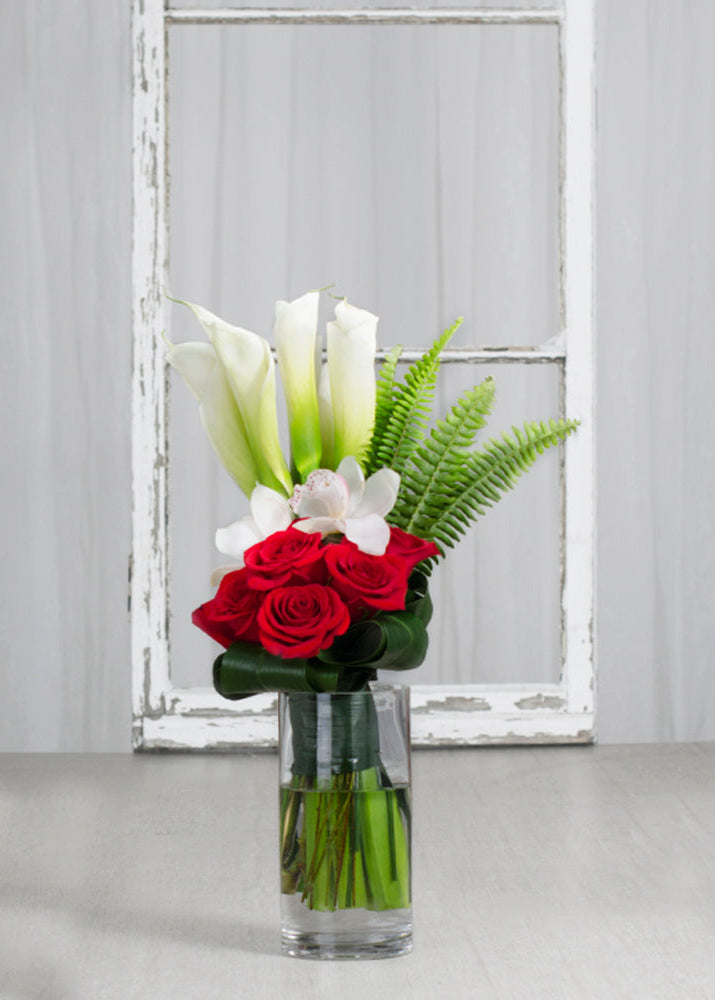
x=324, y=493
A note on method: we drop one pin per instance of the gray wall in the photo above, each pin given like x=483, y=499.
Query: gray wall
x=64, y=258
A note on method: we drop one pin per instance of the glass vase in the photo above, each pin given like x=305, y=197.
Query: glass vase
x=345, y=823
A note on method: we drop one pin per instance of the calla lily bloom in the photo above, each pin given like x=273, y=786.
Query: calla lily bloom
x=250, y=371
x=270, y=512
x=295, y=339
x=344, y=502
x=327, y=426
x=351, y=366
x=221, y=418
x=331, y=412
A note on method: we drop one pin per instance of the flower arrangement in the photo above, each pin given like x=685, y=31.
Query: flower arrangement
x=330, y=573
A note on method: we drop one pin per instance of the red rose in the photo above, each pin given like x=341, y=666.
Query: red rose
x=231, y=613
x=365, y=581
x=285, y=557
x=409, y=547
x=300, y=621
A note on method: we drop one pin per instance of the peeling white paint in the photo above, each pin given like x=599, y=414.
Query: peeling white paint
x=383, y=15
x=150, y=654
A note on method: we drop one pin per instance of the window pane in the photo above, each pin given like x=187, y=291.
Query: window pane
x=497, y=593
x=414, y=167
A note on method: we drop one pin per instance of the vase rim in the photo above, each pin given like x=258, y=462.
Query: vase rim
x=375, y=687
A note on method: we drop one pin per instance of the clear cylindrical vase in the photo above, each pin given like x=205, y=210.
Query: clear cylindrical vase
x=345, y=823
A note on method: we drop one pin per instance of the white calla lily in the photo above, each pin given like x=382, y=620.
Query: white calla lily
x=351, y=364
x=270, y=512
x=345, y=503
x=204, y=374
x=331, y=411
x=250, y=371
x=327, y=424
x=295, y=335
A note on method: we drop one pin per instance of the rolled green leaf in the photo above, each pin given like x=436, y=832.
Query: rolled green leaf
x=406, y=641
x=354, y=735
x=246, y=669
x=363, y=643
x=394, y=640
x=418, y=600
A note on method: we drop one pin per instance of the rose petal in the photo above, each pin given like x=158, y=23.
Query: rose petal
x=221, y=571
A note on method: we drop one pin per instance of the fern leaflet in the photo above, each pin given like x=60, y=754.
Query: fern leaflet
x=487, y=474
x=436, y=467
x=407, y=420
x=384, y=392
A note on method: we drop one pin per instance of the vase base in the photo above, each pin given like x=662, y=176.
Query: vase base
x=325, y=945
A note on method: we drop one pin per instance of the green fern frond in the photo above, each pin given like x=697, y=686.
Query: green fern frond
x=435, y=470
x=487, y=474
x=384, y=391
x=395, y=441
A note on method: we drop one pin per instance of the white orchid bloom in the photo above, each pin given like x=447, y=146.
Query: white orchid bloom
x=295, y=338
x=344, y=502
x=270, y=512
x=204, y=374
x=250, y=371
x=351, y=365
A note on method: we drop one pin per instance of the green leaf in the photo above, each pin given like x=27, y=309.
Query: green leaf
x=246, y=669
x=418, y=600
x=363, y=643
x=392, y=640
x=406, y=641
x=355, y=737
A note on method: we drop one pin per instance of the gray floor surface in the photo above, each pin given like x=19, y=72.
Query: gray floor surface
x=563, y=873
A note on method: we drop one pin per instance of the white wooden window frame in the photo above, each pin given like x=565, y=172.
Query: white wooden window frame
x=168, y=717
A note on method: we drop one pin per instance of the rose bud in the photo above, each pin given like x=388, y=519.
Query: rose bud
x=300, y=621
x=409, y=547
x=285, y=558
x=365, y=581
x=231, y=613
